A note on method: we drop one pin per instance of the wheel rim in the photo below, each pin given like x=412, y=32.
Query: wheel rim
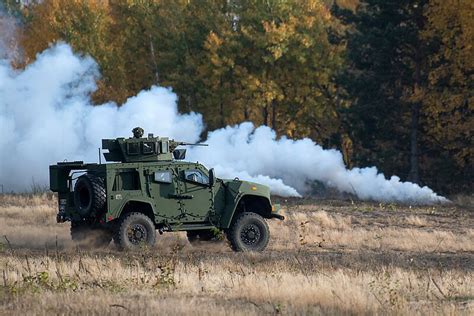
x=137, y=234
x=250, y=234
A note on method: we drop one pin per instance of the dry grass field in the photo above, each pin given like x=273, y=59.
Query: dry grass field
x=328, y=257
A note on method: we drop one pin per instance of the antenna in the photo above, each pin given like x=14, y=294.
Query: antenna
x=100, y=158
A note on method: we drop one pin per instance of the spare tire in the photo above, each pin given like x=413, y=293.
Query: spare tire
x=89, y=195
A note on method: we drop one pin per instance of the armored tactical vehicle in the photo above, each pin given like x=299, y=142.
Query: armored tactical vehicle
x=147, y=187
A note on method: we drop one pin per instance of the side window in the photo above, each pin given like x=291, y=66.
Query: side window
x=163, y=176
x=133, y=148
x=148, y=148
x=127, y=180
x=196, y=176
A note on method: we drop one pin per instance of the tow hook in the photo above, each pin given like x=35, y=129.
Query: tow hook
x=278, y=216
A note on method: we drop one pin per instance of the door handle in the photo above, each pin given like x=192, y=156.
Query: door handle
x=180, y=196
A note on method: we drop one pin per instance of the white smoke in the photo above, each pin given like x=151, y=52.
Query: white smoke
x=298, y=162
x=46, y=116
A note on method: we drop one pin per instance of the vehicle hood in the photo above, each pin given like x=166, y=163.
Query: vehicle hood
x=247, y=187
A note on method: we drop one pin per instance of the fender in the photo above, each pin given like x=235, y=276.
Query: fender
x=131, y=205
x=256, y=203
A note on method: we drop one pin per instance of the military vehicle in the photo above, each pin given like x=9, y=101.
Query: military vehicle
x=145, y=187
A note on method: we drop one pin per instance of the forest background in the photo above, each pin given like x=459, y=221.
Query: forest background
x=388, y=82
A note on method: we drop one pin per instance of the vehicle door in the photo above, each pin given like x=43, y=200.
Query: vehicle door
x=195, y=193
x=162, y=183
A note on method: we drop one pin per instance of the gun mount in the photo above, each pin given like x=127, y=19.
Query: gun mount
x=144, y=149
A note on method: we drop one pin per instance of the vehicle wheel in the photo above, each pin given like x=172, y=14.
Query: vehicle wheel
x=135, y=231
x=89, y=195
x=84, y=235
x=248, y=232
x=201, y=235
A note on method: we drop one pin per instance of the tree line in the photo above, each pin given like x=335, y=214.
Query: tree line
x=388, y=82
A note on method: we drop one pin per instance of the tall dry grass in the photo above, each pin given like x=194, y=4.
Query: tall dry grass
x=324, y=259
x=253, y=286
x=324, y=230
x=30, y=221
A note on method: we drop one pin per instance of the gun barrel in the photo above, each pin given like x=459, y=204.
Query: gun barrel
x=191, y=144
x=176, y=143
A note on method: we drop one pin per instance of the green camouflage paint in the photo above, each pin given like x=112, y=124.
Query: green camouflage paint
x=147, y=175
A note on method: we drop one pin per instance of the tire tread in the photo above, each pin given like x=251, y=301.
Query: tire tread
x=122, y=225
x=231, y=235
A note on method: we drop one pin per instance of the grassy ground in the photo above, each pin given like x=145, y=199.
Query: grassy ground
x=329, y=257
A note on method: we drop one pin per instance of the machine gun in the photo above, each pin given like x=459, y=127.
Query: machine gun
x=180, y=154
x=174, y=144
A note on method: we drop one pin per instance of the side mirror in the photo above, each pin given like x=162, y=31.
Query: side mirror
x=212, y=177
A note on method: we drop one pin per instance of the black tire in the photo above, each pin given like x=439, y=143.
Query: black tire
x=201, y=235
x=89, y=195
x=84, y=235
x=248, y=232
x=135, y=232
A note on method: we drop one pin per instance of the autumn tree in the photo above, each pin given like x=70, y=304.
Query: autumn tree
x=393, y=79
x=448, y=100
x=409, y=78
x=181, y=31
x=386, y=71
x=11, y=16
x=273, y=63
x=85, y=25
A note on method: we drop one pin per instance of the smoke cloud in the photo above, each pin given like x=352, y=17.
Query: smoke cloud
x=46, y=116
x=299, y=162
